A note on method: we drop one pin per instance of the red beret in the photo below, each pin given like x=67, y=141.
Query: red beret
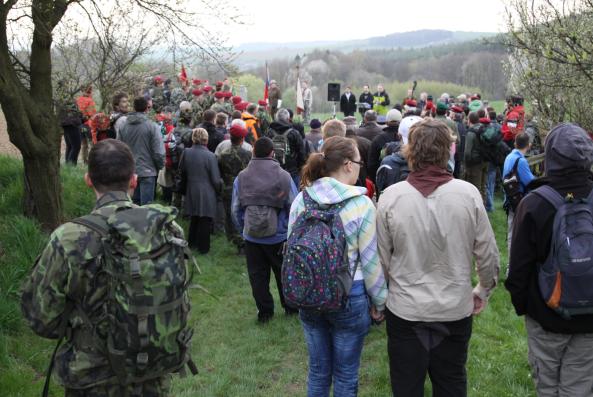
x=411, y=103
x=236, y=100
x=219, y=83
x=158, y=79
x=262, y=102
x=227, y=94
x=241, y=106
x=197, y=81
x=207, y=88
x=457, y=109
x=197, y=92
x=218, y=95
x=238, y=131
x=474, y=97
x=485, y=120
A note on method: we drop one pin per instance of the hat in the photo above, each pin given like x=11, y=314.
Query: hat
x=219, y=83
x=394, y=115
x=457, y=109
x=236, y=100
x=475, y=105
x=158, y=79
x=315, y=123
x=411, y=103
x=184, y=105
x=405, y=125
x=484, y=120
x=219, y=94
x=442, y=106
x=273, y=82
x=262, y=102
x=429, y=98
x=568, y=147
x=227, y=94
x=197, y=92
x=241, y=106
x=196, y=81
x=238, y=131
x=381, y=119
x=207, y=88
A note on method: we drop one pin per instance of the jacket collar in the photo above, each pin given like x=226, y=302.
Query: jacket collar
x=111, y=197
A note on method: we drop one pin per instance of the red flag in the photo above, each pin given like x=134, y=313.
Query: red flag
x=183, y=74
x=267, y=86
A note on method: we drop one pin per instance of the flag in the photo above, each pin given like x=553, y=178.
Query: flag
x=183, y=74
x=300, y=103
x=267, y=86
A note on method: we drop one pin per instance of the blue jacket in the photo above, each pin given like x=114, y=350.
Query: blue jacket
x=238, y=213
x=523, y=171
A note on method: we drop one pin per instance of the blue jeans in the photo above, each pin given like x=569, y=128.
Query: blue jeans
x=144, y=193
x=490, y=185
x=334, y=341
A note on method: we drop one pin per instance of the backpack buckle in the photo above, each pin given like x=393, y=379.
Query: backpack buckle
x=142, y=359
x=135, y=267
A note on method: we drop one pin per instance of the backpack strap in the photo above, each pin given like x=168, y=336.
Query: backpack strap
x=95, y=222
x=550, y=194
x=69, y=308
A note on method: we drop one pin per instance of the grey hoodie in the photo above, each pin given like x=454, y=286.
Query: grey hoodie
x=146, y=143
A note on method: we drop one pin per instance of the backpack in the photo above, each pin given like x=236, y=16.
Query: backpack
x=566, y=277
x=111, y=133
x=512, y=188
x=146, y=316
x=260, y=221
x=393, y=169
x=281, y=146
x=69, y=115
x=315, y=269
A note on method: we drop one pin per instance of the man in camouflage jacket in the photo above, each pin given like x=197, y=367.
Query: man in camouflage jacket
x=67, y=288
x=231, y=162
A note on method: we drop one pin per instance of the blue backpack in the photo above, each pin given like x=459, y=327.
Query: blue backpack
x=566, y=277
x=315, y=270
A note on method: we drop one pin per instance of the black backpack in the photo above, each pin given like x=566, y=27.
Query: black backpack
x=512, y=188
x=394, y=168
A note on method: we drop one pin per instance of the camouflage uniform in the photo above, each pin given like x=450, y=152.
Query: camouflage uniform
x=159, y=101
x=197, y=108
x=231, y=162
x=220, y=107
x=69, y=267
x=179, y=95
x=263, y=118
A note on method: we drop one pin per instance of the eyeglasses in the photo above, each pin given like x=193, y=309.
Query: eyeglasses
x=361, y=163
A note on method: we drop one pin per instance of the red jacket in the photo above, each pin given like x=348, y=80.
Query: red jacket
x=517, y=119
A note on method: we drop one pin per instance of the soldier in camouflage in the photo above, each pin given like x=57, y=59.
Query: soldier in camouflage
x=159, y=101
x=67, y=291
x=208, y=96
x=219, y=106
x=181, y=93
x=263, y=117
x=231, y=162
x=197, y=106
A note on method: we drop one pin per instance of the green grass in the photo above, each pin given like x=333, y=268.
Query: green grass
x=235, y=355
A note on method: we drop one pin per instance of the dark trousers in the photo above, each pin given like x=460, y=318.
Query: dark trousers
x=232, y=234
x=261, y=258
x=198, y=236
x=73, y=141
x=416, y=348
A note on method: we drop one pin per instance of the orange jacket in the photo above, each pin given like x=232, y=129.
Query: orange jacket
x=86, y=105
x=252, y=124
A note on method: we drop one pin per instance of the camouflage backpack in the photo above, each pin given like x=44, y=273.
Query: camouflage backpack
x=148, y=264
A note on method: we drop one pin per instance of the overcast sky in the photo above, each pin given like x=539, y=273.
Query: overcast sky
x=320, y=20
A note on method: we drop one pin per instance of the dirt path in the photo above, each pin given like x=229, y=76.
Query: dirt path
x=5, y=146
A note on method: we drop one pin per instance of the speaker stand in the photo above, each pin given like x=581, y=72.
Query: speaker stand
x=334, y=116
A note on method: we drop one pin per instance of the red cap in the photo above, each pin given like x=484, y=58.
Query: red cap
x=241, y=106
x=238, y=131
x=227, y=94
x=207, y=88
x=236, y=100
x=158, y=79
x=411, y=103
x=262, y=102
x=457, y=109
x=218, y=94
x=219, y=83
x=197, y=92
x=485, y=120
x=197, y=81
x=474, y=97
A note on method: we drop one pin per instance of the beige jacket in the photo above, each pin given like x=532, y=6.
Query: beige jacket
x=427, y=245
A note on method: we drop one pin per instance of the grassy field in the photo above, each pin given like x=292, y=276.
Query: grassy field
x=235, y=355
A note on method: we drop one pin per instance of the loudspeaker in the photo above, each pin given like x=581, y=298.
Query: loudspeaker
x=333, y=92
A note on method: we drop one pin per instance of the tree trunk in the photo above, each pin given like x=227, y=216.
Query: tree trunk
x=43, y=189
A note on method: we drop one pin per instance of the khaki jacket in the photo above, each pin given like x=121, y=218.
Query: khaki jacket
x=427, y=246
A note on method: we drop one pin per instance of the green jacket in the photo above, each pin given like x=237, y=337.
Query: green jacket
x=472, y=155
x=451, y=124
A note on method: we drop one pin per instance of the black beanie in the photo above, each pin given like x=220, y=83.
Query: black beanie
x=568, y=147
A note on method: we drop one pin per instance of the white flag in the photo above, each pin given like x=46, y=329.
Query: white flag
x=300, y=103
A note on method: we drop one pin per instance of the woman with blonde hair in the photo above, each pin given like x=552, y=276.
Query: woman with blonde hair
x=430, y=228
x=334, y=339
x=201, y=183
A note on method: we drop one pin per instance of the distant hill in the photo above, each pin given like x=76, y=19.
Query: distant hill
x=254, y=54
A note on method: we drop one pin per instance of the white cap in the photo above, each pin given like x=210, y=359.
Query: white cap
x=405, y=125
x=394, y=115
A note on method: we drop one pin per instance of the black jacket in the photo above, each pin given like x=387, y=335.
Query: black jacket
x=389, y=134
x=348, y=105
x=214, y=135
x=532, y=237
x=296, y=159
x=365, y=98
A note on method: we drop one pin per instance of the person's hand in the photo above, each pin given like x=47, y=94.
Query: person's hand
x=376, y=315
x=479, y=305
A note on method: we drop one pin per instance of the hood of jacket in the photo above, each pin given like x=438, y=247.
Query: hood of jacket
x=331, y=191
x=280, y=127
x=136, y=118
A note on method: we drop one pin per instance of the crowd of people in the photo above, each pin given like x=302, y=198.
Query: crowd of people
x=386, y=220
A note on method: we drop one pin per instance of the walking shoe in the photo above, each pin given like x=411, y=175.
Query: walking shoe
x=263, y=318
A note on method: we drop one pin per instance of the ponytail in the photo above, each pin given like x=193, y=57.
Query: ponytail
x=336, y=151
x=313, y=169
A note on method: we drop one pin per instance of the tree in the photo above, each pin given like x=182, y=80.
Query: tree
x=26, y=92
x=551, y=45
